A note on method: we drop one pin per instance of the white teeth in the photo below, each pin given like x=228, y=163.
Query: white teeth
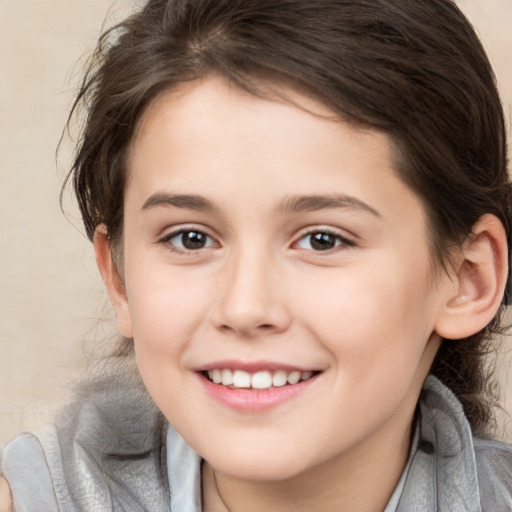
x=293, y=378
x=241, y=379
x=227, y=377
x=280, y=378
x=260, y=380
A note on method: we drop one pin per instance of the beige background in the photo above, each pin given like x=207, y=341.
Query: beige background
x=53, y=311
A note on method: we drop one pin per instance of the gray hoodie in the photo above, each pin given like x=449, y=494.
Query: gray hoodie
x=111, y=450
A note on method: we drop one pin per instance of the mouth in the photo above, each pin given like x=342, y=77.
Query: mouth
x=260, y=380
x=256, y=386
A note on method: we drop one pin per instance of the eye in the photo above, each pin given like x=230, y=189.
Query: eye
x=189, y=240
x=322, y=241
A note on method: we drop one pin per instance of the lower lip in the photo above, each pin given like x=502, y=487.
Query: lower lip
x=254, y=400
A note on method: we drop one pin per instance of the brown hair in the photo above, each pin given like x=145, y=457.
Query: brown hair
x=413, y=69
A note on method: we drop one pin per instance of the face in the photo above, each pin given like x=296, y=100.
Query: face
x=279, y=287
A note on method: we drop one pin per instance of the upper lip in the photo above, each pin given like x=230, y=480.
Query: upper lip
x=252, y=366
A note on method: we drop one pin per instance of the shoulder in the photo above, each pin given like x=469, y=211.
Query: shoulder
x=464, y=470
x=494, y=469
x=26, y=472
x=102, y=442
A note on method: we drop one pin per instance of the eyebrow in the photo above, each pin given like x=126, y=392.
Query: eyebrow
x=292, y=204
x=295, y=204
x=189, y=202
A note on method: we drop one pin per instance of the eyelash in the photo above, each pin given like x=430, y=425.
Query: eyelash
x=340, y=241
x=166, y=240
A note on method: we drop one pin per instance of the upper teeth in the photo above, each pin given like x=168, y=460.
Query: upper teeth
x=259, y=380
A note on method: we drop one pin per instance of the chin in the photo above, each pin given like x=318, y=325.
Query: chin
x=265, y=471
x=258, y=464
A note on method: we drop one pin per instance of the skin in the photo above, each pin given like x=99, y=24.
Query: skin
x=5, y=497
x=367, y=314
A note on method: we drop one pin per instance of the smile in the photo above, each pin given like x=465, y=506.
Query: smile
x=266, y=379
x=255, y=389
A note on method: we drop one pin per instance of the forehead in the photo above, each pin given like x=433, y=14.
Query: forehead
x=211, y=114
x=212, y=137
x=193, y=98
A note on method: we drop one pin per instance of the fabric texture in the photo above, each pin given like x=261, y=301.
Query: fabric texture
x=105, y=452
x=111, y=450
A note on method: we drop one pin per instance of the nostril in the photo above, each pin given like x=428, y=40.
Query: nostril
x=259, y=328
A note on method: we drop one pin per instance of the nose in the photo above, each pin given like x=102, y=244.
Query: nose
x=251, y=300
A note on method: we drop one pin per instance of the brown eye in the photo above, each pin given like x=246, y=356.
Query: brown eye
x=190, y=240
x=321, y=241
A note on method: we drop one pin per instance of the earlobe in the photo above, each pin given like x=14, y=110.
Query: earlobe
x=113, y=281
x=479, y=281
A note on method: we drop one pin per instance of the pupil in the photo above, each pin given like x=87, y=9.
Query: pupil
x=322, y=241
x=193, y=240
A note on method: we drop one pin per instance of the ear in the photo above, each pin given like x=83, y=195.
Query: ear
x=113, y=281
x=479, y=281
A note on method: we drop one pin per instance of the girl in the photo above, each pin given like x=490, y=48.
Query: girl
x=301, y=212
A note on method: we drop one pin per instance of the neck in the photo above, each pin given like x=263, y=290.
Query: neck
x=360, y=480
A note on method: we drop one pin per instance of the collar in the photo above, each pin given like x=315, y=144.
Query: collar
x=184, y=467
x=442, y=476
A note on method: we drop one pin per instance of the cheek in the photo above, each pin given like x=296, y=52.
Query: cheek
x=376, y=326
x=371, y=315
x=166, y=308
x=167, y=311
